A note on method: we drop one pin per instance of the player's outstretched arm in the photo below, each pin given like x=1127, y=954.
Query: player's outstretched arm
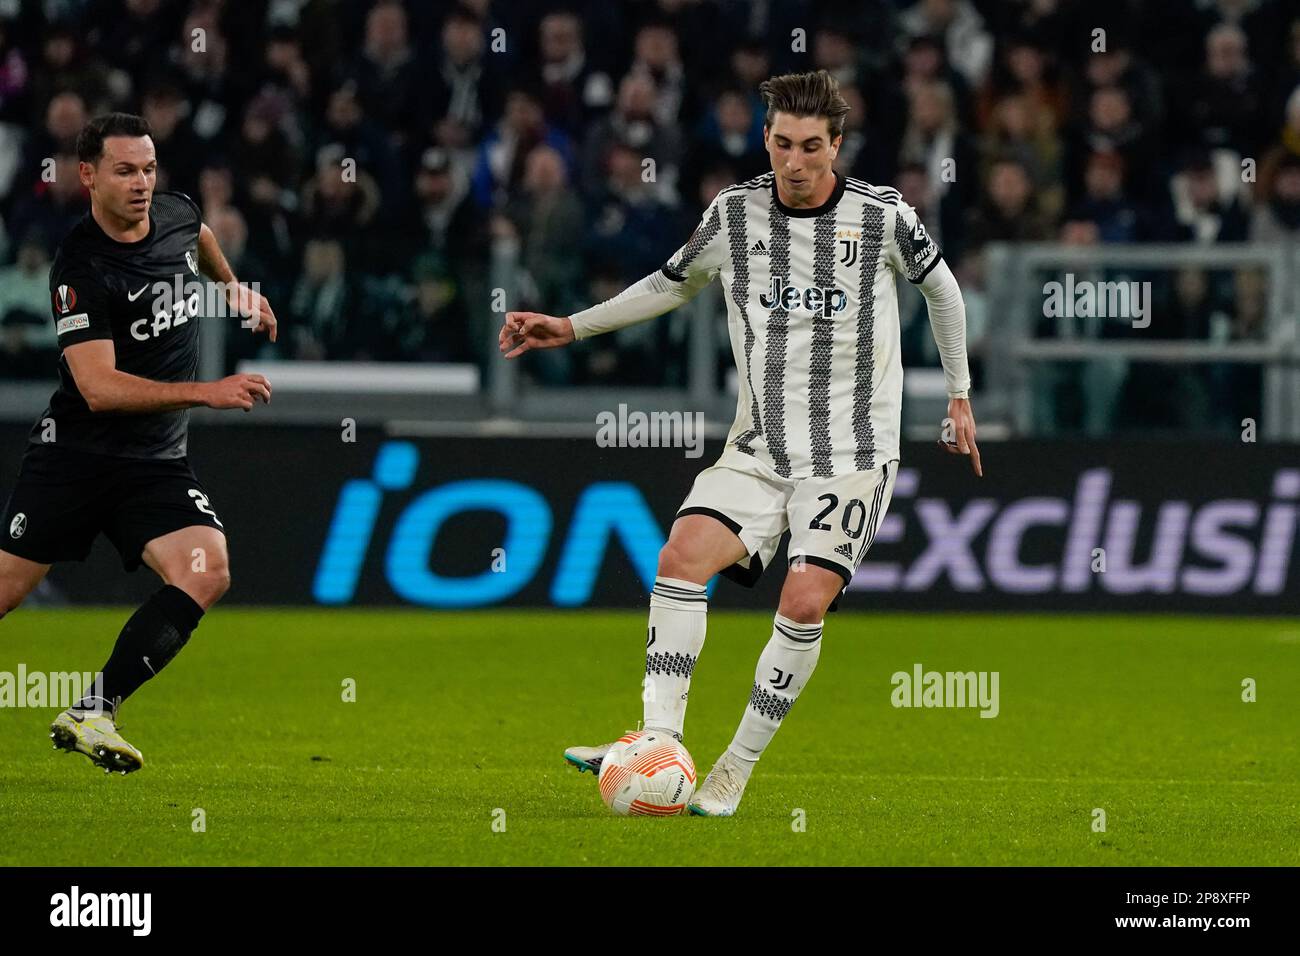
x=248, y=303
x=108, y=389
x=646, y=299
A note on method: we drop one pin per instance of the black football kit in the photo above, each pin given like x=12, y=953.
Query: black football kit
x=123, y=474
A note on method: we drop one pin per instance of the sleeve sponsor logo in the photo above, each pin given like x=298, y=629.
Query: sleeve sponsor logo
x=65, y=299
x=920, y=237
x=73, y=323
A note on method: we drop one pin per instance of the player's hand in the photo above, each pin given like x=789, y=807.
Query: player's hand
x=959, y=432
x=253, y=310
x=238, y=391
x=532, y=330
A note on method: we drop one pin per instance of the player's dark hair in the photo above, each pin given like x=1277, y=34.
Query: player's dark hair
x=90, y=141
x=805, y=94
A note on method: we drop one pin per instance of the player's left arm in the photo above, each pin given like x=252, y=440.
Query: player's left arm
x=948, y=323
x=917, y=257
x=244, y=300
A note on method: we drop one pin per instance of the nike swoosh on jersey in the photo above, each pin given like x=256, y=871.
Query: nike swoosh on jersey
x=131, y=297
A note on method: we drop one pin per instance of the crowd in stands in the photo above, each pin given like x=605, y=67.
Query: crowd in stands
x=372, y=163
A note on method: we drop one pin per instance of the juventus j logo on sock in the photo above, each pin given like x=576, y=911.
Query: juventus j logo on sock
x=650, y=639
x=782, y=679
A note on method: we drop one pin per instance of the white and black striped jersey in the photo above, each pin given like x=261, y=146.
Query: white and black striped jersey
x=813, y=315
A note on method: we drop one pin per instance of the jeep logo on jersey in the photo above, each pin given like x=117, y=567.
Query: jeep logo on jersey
x=65, y=299
x=18, y=525
x=827, y=301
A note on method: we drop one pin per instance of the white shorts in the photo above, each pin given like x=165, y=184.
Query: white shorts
x=831, y=521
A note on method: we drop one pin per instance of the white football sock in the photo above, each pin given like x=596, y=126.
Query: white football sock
x=678, y=614
x=784, y=667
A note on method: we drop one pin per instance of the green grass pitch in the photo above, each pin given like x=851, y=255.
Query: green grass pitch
x=460, y=721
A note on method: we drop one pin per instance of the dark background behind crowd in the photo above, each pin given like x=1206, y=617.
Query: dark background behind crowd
x=362, y=159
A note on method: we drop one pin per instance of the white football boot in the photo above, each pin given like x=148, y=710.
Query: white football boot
x=590, y=758
x=587, y=758
x=720, y=794
x=95, y=734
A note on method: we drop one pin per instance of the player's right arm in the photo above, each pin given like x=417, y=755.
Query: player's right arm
x=85, y=335
x=108, y=389
x=689, y=270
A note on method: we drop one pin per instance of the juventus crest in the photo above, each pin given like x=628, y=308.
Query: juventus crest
x=848, y=241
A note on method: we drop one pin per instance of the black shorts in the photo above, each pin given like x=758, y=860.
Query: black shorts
x=63, y=499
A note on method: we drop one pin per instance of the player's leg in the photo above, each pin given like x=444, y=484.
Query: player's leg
x=832, y=524
x=733, y=516
x=195, y=569
x=784, y=669
x=698, y=547
x=194, y=566
x=18, y=578
x=52, y=515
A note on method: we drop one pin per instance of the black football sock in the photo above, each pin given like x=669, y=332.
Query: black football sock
x=154, y=635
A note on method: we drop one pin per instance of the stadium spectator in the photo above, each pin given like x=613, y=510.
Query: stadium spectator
x=934, y=140
x=658, y=56
x=501, y=157
x=632, y=122
x=429, y=324
x=1110, y=126
x=65, y=115
x=66, y=67
x=1223, y=107
x=1010, y=212
x=1025, y=70
x=1198, y=209
x=346, y=125
x=50, y=208
x=1117, y=65
x=1277, y=218
x=164, y=108
x=573, y=91
x=27, y=341
x=201, y=56
x=547, y=219
x=630, y=224
x=1104, y=204
x=386, y=73
x=465, y=96
x=15, y=81
x=441, y=217
x=340, y=202
x=322, y=303
x=286, y=70
x=731, y=134
x=1287, y=145
x=967, y=43
x=1017, y=128
x=265, y=151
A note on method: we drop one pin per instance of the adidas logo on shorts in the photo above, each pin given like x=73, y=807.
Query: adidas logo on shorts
x=845, y=550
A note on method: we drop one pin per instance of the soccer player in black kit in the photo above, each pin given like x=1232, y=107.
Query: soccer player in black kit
x=109, y=454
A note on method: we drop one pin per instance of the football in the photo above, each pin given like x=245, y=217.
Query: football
x=647, y=773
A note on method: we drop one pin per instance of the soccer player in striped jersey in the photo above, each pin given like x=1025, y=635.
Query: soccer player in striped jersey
x=807, y=258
